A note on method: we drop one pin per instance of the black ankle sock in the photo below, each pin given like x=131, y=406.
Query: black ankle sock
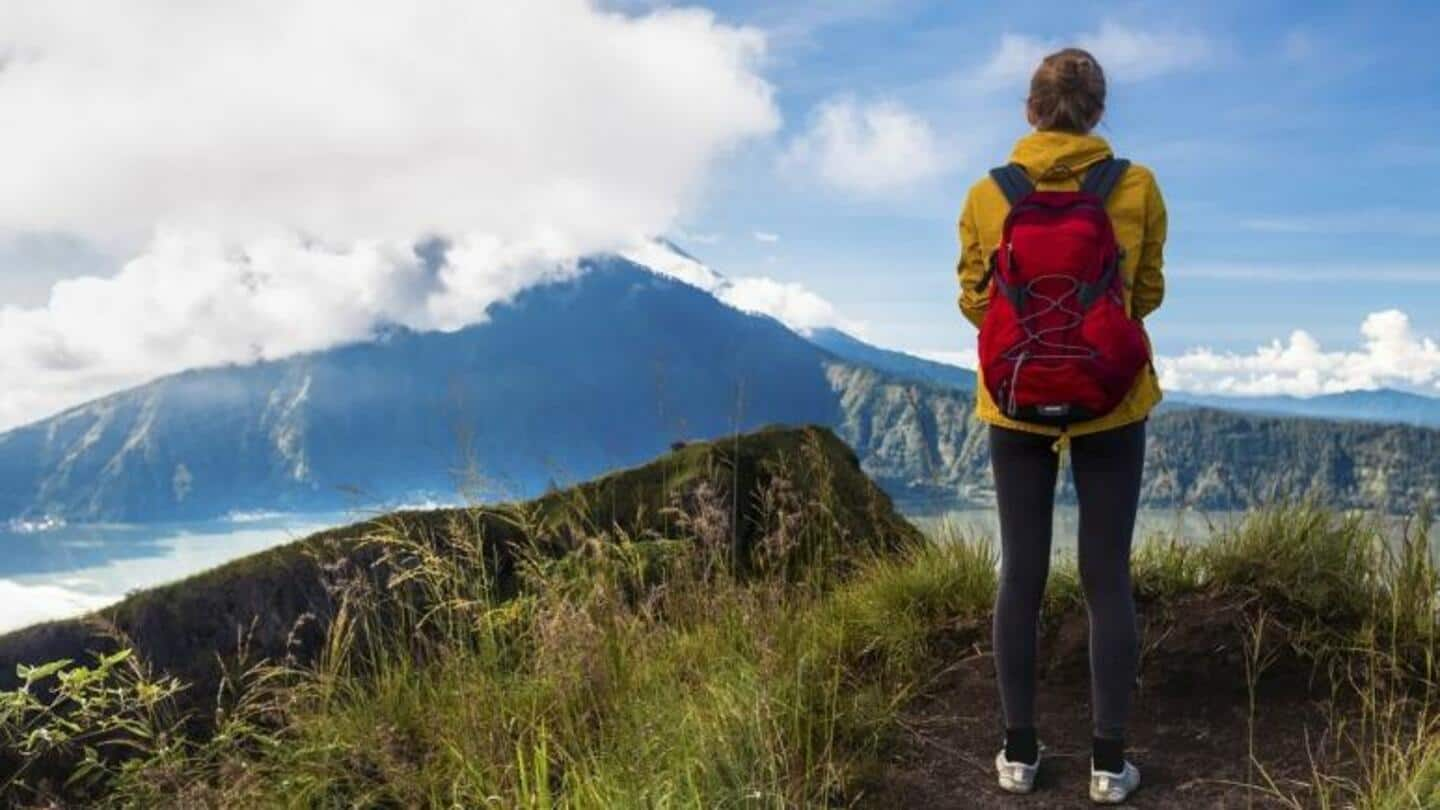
x=1021, y=745
x=1109, y=755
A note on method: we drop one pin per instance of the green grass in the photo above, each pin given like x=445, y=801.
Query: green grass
x=644, y=671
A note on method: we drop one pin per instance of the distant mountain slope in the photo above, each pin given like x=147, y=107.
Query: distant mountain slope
x=1383, y=405
x=1219, y=459
x=601, y=371
x=846, y=347
x=917, y=440
x=921, y=443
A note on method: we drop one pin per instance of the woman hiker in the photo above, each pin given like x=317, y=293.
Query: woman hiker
x=1061, y=257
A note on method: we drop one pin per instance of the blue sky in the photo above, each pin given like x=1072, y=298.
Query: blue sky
x=187, y=189
x=1296, y=149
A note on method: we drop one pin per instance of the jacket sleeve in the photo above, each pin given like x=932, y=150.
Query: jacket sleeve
x=1149, y=289
x=971, y=267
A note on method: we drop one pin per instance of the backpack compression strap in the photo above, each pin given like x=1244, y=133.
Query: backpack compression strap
x=1101, y=178
x=1015, y=184
x=1012, y=180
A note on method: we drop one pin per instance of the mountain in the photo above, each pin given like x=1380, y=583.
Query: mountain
x=1382, y=405
x=600, y=371
x=567, y=381
x=846, y=347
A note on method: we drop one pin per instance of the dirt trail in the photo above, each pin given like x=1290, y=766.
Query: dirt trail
x=1190, y=735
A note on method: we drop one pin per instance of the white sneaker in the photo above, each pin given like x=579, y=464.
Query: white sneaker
x=1016, y=777
x=1113, y=788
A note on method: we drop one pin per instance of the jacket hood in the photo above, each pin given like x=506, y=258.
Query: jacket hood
x=1054, y=155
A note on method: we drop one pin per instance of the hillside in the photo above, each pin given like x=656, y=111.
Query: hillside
x=623, y=644
x=182, y=627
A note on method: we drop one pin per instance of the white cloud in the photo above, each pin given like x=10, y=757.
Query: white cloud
x=662, y=259
x=792, y=304
x=788, y=302
x=24, y=604
x=276, y=161
x=1127, y=54
x=1390, y=354
x=193, y=300
x=365, y=120
x=766, y=236
x=869, y=148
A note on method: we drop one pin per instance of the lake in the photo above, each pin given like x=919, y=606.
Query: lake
x=69, y=570
x=1189, y=526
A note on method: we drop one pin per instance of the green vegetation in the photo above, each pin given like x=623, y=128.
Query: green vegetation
x=659, y=668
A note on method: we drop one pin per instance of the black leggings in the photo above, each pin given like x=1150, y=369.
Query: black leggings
x=1106, y=467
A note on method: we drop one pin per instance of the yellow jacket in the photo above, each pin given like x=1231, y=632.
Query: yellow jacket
x=1056, y=161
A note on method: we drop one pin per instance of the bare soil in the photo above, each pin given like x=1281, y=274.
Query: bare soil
x=1196, y=724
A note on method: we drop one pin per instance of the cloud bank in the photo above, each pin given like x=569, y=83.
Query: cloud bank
x=275, y=163
x=788, y=302
x=194, y=300
x=24, y=604
x=1390, y=354
x=794, y=305
x=355, y=121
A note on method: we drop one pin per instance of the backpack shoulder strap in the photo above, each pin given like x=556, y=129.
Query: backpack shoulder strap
x=1012, y=180
x=1101, y=178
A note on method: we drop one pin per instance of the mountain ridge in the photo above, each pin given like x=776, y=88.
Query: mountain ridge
x=847, y=346
x=1368, y=405
x=599, y=371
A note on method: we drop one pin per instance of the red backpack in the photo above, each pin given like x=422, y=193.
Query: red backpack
x=1057, y=345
